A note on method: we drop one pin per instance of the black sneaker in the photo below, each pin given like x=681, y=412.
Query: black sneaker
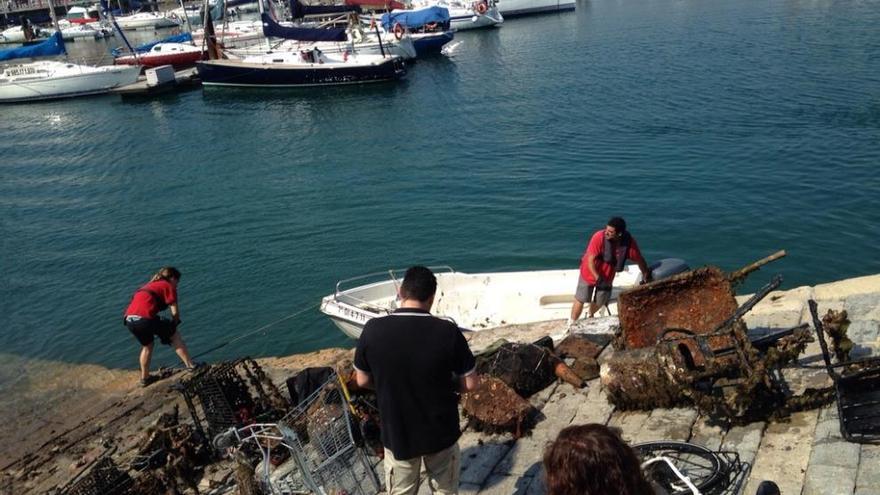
x=150, y=379
x=197, y=365
x=768, y=488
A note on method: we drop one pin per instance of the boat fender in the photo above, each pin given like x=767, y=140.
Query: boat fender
x=482, y=8
x=372, y=23
x=398, y=31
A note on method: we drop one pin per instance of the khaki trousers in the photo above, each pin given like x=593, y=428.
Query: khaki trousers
x=443, y=468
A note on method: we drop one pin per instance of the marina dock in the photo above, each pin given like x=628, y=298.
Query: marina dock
x=183, y=80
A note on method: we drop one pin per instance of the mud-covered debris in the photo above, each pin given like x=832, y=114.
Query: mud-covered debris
x=580, y=354
x=244, y=475
x=577, y=347
x=172, y=457
x=638, y=380
x=586, y=369
x=737, y=387
x=104, y=478
x=526, y=368
x=495, y=408
x=836, y=324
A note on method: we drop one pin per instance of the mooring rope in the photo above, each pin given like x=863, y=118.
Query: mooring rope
x=260, y=329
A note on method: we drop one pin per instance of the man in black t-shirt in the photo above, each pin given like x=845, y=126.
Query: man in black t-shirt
x=417, y=363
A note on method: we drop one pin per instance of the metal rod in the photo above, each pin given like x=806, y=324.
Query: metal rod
x=742, y=272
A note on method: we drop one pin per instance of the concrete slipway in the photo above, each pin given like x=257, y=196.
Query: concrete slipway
x=66, y=413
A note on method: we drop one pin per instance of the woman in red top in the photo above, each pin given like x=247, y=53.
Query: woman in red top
x=143, y=320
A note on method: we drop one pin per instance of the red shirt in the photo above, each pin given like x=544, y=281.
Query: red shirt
x=596, y=247
x=144, y=304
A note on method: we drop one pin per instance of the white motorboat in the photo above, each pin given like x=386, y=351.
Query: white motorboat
x=71, y=31
x=48, y=79
x=466, y=15
x=511, y=8
x=15, y=34
x=144, y=20
x=476, y=301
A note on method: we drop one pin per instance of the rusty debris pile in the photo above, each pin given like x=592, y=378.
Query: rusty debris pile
x=683, y=341
x=856, y=382
x=104, y=477
x=169, y=457
x=514, y=372
x=231, y=394
x=172, y=456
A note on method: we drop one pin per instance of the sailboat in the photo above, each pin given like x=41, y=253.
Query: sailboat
x=177, y=50
x=306, y=67
x=49, y=79
x=359, y=38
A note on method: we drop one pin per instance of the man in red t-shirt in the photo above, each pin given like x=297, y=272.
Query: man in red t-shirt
x=606, y=254
x=143, y=320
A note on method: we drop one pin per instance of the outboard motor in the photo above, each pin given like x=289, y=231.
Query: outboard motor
x=668, y=267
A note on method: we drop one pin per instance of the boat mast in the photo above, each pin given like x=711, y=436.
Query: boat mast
x=262, y=10
x=186, y=18
x=53, y=15
x=108, y=12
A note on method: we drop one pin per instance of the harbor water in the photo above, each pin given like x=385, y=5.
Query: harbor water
x=722, y=131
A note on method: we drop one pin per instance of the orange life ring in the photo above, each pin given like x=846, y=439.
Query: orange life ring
x=482, y=8
x=398, y=30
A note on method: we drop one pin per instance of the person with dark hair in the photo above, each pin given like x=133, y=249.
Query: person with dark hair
x=143, y=320
x=592, y=459
x=28, y=29
x=417, y=363
x=607, y=253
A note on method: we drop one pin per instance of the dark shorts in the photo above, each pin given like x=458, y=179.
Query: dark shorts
x=145, y=328
x=585, y=292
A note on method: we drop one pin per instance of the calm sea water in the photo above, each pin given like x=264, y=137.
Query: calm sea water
x=721, y=130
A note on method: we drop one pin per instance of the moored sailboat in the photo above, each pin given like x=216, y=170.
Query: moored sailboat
x=429, y=27
x=177, y=50
x=308, y=67
x=464, y=15
x=49, y=79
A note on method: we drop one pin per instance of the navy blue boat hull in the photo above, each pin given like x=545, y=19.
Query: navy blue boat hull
x=431, y=44
x=228, y=73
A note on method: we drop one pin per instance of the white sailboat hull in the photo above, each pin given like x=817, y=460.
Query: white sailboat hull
x=511, y=8
x=146, y=20
x=50, y=80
